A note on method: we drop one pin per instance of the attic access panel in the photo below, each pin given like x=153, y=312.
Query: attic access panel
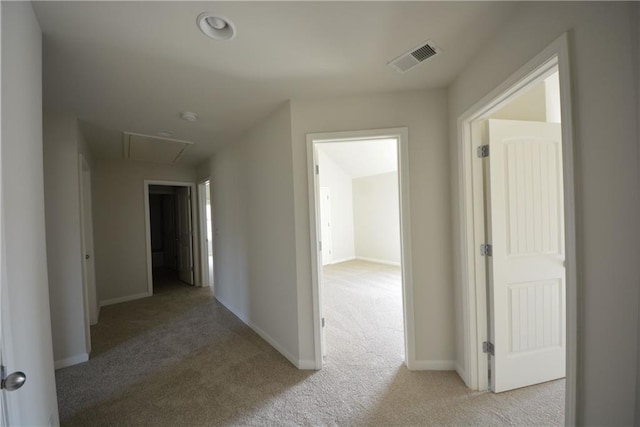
x=148, y=148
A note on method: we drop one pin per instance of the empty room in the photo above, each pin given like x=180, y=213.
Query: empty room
x=320, y=213
x=359, y=226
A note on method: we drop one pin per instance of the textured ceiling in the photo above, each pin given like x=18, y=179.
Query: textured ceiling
x=134, y=66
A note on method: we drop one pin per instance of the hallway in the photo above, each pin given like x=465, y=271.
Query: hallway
x=181, y=358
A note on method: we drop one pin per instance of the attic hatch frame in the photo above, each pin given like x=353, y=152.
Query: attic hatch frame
x=401, y=135
x=473, y=278
x=127, y=143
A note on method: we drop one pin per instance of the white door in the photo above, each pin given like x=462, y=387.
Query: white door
x=325, y=222
x=527, y=274
x=24, y=292
x=4, y=309
x=185, y=248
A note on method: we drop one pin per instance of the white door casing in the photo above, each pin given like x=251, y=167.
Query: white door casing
x=325, y=229
x=86, y=218
x=184, y=228
x=402, y=136
x=193, y=207
x=526, y=269
x=206, y=232
x=209, y=232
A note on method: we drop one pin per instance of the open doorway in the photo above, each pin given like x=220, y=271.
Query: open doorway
x=518, y=232
x=206, y=232
x=358, y=188
x=170, y=234
x=360, y=235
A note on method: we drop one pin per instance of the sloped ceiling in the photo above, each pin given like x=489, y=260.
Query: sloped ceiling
x=136, y=65
x=363, y=158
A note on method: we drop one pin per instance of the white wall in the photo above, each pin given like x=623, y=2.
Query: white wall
x=425, y=114
x=541, y=103
x=63, y=227
x=376, y=216
x=530, y=106
x=255, y=273
x=203, y=170
x=25, y=259
x=340, y=186
x=607, y=184
x=119, y=224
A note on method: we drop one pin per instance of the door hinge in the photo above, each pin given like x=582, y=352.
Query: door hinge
x=317, y=170
x=486, y=250
x=323, y=322
x=487, y=347
x=483, y=151
x=320, y=246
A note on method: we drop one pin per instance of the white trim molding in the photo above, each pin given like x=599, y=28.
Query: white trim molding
x=124, y=299
x=401, y=134
x=202, y=235
x=434, y=365
x=473, y=291
x=338, y=261
x=275, y=344
x=379, y=261
x=70, y=361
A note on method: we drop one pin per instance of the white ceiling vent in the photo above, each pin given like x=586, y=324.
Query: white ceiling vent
x=155, y=149
x=415, y=56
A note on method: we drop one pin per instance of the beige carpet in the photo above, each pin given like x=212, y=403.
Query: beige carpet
x=181, y=358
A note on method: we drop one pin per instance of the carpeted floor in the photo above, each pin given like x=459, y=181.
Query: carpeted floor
x=181, y=358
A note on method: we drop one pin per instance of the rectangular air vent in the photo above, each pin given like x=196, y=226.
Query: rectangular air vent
x=415, y=56
x=155, y=149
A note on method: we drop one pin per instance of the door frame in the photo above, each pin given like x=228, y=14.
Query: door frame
x=472, y=217
x=325, y=246
x=194, y=229
x=90, y=295
x=202, y=213
x=401, y=134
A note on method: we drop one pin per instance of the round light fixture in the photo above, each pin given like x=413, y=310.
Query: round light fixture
x=164, y=134
x=215, y=26
x=189, y=116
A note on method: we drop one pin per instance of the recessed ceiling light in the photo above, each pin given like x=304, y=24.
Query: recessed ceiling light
x=164, y=134
x=215, y=26
x=189, y=116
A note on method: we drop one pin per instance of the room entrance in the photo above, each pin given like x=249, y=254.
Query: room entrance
x=519, y=232
x=362, y=288
x=170, y=234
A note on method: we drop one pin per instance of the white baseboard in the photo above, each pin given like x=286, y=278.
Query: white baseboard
x=378, y=261
x=307, y=365
x=275, y=344
x=461, y=373
x=434, y=365
x=338, y=261
x=272, y=342
x=70, y=361
x=124, y=299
